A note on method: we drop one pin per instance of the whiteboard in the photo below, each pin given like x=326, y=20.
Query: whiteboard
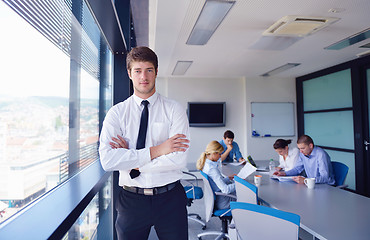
x=273, y=118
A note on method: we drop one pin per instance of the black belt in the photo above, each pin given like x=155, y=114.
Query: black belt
x=151, y=191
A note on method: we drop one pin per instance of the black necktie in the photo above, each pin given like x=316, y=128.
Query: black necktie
x=142, y=134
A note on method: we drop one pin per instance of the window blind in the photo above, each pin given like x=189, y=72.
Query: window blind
x=54, y=19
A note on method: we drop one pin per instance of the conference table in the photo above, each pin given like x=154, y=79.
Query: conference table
x=326, y=212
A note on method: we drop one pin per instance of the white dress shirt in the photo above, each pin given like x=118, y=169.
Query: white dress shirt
x=291, y=159
x=218, y=183
x=166, y=119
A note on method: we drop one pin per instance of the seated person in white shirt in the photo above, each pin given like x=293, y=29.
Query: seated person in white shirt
x=287, y=156
x=208, y=164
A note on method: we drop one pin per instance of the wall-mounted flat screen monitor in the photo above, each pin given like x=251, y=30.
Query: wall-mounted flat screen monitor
x=207, y=114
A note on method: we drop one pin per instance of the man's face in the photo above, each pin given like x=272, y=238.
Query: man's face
x=143, y=77
x=228, y=141
x=305, y=149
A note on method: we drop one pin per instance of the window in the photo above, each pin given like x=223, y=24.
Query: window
x=49, y=96
x=86, y=226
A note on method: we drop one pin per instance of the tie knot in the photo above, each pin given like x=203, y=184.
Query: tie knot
x=145, y=103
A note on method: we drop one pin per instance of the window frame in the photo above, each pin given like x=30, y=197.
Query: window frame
x=65, y=203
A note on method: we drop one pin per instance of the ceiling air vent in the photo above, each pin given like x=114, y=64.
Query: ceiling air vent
x=298, y=26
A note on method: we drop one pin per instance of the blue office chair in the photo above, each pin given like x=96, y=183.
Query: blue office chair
x=193, y=192
x=259, y=222
x=245, y=191
x=223, y=214
x=340, y=173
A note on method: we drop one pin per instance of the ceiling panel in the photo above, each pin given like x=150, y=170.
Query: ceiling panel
x=232, y=52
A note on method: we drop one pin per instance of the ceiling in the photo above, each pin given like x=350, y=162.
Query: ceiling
x=234, y=49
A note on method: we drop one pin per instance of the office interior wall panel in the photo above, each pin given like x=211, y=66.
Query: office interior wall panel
x=230, y=90
x=238, y=93
x=328, y=91
x=331, y=129
x=267, y=90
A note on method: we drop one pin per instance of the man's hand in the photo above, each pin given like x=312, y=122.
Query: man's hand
x=118, y=142
x=224, y=155
x=231, y=177
x=242, y=160
x=279, y=173
x=229, y=147
x=177, y=143
x=299, y=179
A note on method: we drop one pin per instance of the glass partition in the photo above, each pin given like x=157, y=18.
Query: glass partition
x=328, y=117
x=327, y=92
x=327, y=129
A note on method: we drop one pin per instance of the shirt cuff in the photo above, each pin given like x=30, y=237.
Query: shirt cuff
x=143, y=156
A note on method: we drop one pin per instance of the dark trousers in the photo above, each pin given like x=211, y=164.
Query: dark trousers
x=137, y=213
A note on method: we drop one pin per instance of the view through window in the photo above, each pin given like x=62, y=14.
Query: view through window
x=49, y=108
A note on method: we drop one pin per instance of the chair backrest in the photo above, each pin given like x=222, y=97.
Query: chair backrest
x=245, y=191
x=193, y=191
x=340, y=172
x=209, y=197
x=259, y=222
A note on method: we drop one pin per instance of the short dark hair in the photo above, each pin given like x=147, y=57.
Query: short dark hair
x=281, y=143
x=141, y=54
x=305, y=139
x=229, y=134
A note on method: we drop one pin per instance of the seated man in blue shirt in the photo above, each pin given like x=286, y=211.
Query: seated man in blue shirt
x=313, y=160
x=231, y=148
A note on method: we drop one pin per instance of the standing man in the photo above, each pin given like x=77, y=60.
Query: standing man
x=150, y=166
x=313, y=160
x=231, y=148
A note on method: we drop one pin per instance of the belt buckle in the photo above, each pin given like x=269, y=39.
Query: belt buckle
x=148, y=191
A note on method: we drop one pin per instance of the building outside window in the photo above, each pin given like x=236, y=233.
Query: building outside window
x=50, y=61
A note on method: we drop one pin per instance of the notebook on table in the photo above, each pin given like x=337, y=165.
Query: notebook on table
x=283, y=178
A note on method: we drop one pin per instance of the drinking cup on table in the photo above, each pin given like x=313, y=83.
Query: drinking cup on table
x=257, y=180
x=310, y=182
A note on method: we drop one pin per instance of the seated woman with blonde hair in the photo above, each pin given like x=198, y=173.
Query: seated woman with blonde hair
x=207, y=163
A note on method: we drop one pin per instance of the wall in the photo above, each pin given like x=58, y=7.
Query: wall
x=268, y=90
x=238, y=93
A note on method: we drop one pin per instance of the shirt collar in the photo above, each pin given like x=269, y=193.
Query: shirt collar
x=314, y=150
x=313, y=153
x=214, y=164
x=290, y=152
x=151, y=99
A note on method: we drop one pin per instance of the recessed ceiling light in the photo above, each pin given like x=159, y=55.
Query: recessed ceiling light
x=358, y=37
x=211, y=16
x=367, y=45
x=280, y=69
x=363, y=54
x=336, y=10
x=181, y=67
